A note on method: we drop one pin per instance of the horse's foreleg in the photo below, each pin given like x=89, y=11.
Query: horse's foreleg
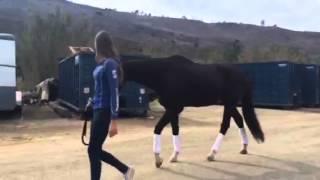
x=157, y=139
x=223, y=130
x=244, y=137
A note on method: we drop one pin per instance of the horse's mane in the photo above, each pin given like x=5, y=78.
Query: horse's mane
x=171, y=60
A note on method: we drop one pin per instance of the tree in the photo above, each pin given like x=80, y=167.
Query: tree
x=45, y=40
x=232, y=51
x=196, y=43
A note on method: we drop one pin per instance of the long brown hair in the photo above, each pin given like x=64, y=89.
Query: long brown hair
x=105, y=48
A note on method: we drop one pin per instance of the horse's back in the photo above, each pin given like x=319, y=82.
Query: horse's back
x=233, y=82
x=230, y=77
x=205, y=84
x=171, y=61
x=180, y=59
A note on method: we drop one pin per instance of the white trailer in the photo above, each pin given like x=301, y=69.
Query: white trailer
x=8, y=95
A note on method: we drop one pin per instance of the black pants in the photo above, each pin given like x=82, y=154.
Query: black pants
x=99, y=131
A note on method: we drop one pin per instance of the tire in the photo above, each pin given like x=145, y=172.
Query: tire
x=17, y=113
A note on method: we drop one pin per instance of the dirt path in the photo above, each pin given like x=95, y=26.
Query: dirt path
x=50, y=148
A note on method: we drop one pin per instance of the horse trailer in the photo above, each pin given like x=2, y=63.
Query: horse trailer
x=76, y=86
x=275, y=84
x=8, y=94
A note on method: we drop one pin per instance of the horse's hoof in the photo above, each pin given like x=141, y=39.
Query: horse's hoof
x=210, y=158
x=243, y=151
x=173, y=159
x=159, y=162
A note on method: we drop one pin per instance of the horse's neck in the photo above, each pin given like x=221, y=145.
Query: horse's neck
x=146, y=75
x=152, y=72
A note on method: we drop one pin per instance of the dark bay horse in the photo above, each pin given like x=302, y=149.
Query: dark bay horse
x=180, y=83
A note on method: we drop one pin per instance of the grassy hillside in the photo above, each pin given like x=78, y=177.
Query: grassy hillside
x=44, y=29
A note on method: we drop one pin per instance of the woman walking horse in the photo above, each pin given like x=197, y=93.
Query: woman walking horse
x=181, y=83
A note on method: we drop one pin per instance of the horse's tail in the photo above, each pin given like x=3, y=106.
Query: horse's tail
x=250, y=116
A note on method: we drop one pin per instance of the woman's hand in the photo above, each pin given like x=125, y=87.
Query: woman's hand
x=113, y=129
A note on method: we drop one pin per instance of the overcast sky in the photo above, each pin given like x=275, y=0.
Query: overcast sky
x=301, y=15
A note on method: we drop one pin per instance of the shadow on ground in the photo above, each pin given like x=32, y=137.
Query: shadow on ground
x=299, y=170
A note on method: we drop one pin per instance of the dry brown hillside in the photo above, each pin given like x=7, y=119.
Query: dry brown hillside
x=156, y=36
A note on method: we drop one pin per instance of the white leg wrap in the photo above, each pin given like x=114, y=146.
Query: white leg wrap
x=218, y=142
x=176, y=143
x=156, y=143
x=244, y=136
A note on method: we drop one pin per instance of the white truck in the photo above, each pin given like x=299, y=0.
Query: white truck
x=10, y=98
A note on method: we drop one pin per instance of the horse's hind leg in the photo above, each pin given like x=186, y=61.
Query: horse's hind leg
x=223, y=130
x=244, y=138
x=174, y=115
x=165, y=119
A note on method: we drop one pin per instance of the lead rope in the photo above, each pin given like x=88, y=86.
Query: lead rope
x=86, y=119
x=84, y=133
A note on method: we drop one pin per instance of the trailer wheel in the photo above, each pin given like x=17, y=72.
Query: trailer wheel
x=18, y=112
